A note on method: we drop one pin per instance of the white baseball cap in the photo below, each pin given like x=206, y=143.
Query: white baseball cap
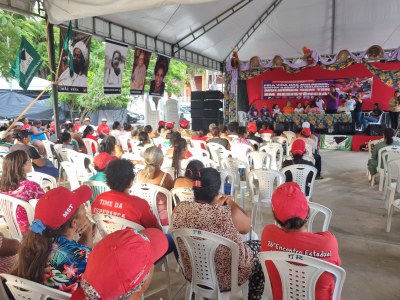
x=306, y=125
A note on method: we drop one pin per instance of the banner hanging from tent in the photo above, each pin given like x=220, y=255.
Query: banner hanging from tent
x=139, y=70
x=336, y=142
x=157, y=85
x=26, y=64
x=307, y=89
x=74, y=62
x=115, y=58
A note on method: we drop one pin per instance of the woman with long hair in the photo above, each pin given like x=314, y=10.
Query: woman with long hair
x=13, y=182
x=179, y=156
x=144, y=140
x=152, y=174
x=76, y=138
x=191, y=174
x=116, y=130
x=88, y=134
x=49, y=254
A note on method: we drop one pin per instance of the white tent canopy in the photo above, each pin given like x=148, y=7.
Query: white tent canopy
x=327, y=26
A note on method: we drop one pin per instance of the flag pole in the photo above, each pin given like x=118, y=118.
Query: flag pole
x=28, y=107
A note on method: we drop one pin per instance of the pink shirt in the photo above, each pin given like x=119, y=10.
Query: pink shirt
x=26, y=191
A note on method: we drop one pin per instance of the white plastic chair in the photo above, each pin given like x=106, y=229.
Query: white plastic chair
x=49, y=153
x=47, y=182
x=97, y=187
x=392, y=181
x=88, y=144
x=371, y=144
x=266, y=137
x=299, y=174
x=182, y=194
x=25, y=289
x=149, y=193
x=387, y=157
x=201, y=247
x=262, y=184
x=78, y=159
x=240, y=151
x=199, y=152
x=276, y=152
x=316, y=208
x=8, y=207
x=70, y=174
x=124, y=142
x=299, y=274
x=230, y=177
x=291, y=136
x=259, y=160
x=108, y=224
x=379, y=168
x=199, y=144
x=255, y=144
x=234, y=164
x=214, y=149
x=207, y=162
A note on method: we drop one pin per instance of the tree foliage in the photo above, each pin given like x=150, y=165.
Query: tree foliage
x=34, y=29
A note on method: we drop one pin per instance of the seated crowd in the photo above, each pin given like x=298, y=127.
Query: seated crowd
x=59, y=248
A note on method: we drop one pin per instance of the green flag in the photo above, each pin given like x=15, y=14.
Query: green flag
x=68, y=48
x=26, y=64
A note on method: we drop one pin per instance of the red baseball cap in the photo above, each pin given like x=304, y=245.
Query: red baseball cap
x=288, y=201
x=252, y=127
x=170, y=125
x=298, y=147
x=102, y=160
x=306, y=132
x=161, y=123
x=58, y=205
x=184, y=124
x=120, y=262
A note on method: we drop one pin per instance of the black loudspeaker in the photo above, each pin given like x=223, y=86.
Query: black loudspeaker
x=196, y=113
x=242, y=96
x=212, y=104
x=345, y=128
x=375, y=129
x=197, y=104
x=214, y=95
x=211, y=113
x=198, y=95
x=203, y=123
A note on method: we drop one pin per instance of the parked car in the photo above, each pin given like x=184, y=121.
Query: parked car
x=132, y=117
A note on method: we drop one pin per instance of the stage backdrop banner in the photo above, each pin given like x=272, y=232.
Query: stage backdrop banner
x=74, y=63
x=115, y=58
x=139, y=70
x=307, y=89
x=157, y=85
x=336, y=142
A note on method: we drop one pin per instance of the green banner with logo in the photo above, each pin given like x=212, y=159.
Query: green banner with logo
x=336, y=142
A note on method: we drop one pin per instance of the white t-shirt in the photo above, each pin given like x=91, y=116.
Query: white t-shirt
x=351, y=104
x=320, y=104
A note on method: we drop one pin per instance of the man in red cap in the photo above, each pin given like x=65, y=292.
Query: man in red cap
x=184, y=126
x=305, y=135
x=291, y=212
x=103, y=129
x=49, y=253
x=252, y=129
x=122, y=264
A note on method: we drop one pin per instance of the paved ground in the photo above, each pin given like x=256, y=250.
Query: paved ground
x=370, y=256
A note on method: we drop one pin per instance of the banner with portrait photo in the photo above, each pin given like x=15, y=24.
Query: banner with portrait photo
x=307, y=89
x=157, y=85
x=74, y=62
x=115, y=58
x=139, y=70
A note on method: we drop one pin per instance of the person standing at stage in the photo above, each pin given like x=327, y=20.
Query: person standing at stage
x=350, y=102
x=253, y=113
x=356, y=114
x=394, y=109
x=332, y=100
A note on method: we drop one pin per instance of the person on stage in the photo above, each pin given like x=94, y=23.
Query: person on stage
x=288, y=109
x=319, y=102
x=332, y=100
x=265, y=114
x=253, y=113
x=394, y=109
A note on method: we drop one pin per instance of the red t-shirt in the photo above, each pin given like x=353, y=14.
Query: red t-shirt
x=125, y=206
x=103, y=128
x=321, y=245
x=77, y=126
x=266, y=131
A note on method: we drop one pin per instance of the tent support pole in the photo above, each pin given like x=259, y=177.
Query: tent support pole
x=51, y=50
x=333, y=26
